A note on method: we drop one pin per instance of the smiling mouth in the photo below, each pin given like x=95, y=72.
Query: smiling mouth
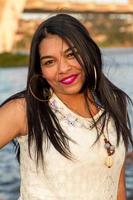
x=69, y=80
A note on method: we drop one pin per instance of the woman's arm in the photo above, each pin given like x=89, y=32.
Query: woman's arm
x=121, y=195
x=12, y=120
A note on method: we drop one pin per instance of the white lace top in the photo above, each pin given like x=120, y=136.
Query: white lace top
x=84, y=178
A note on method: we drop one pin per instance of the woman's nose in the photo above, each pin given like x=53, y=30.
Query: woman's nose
x=64, y=66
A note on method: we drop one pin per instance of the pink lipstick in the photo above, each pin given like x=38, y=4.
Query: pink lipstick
x=69, y=80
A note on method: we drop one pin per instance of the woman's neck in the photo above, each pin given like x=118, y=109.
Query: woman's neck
x=78, y=104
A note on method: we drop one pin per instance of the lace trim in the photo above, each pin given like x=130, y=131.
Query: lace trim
x=69, y=117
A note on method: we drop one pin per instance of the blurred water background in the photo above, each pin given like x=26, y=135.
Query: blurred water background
x=118, y=66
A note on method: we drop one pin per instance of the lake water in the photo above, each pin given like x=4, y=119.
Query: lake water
x=118, y=66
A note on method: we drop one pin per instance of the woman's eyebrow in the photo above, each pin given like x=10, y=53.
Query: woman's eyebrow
x=48, y=56
x=69, y=49
x=45, y=57
x=66, y=51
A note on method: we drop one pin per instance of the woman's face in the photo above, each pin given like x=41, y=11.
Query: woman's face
x=60, y=67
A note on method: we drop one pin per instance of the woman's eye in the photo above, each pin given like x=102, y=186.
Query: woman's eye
x=48, y=62
x=70, y=55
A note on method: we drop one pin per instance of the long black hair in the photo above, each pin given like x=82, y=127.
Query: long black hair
x=43, y=125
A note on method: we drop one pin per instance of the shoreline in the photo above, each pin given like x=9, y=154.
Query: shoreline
x=21, y=58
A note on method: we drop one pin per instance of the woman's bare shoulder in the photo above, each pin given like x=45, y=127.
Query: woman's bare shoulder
x=15, y=108
x=19, y=102
x=13, y=120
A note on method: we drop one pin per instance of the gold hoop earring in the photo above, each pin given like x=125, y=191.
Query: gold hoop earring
x=95, y=76
x=47, y=94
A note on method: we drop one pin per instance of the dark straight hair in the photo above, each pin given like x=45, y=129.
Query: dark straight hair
x=43, y=125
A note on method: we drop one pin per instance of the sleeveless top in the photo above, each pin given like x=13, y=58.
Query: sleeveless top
x=83, y=178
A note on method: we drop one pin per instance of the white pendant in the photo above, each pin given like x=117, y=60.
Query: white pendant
x=109, y=161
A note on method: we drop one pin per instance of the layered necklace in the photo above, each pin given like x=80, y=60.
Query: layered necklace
x=72, y=119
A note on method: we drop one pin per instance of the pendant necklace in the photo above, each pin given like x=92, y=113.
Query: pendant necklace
x=110, y=151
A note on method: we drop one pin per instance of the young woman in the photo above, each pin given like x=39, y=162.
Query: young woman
x=71, y=122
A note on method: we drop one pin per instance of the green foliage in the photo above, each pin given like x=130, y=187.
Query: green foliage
x=116, y=29
x=13, y=60
x=107, y=30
